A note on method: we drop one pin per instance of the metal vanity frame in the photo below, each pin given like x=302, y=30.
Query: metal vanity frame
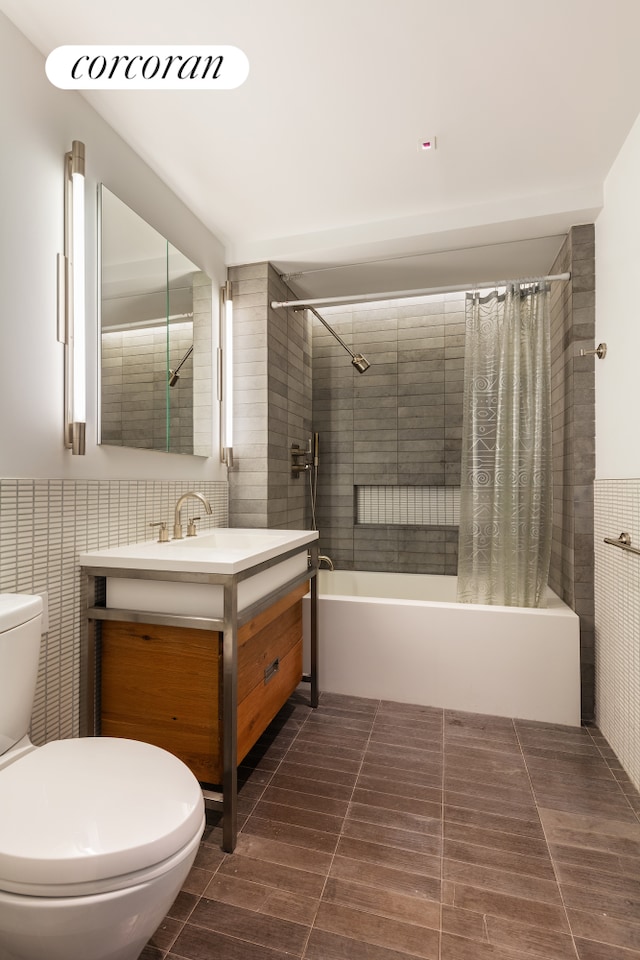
x=94, y=602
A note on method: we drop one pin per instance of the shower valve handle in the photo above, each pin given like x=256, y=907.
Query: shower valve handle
x=297, y=452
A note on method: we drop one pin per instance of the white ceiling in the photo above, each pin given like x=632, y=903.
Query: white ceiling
x=313, y=163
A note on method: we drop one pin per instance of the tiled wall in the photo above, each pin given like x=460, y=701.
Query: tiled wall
x=134, y=382
x=617, y=622
x=435, y=506
x=400, y=423
x=573, y=410
x=290, y=421
x=44, y=524
x=248, y=490
x=272, y=398
x=135, y=391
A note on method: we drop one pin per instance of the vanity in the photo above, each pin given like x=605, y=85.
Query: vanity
x=195, y=644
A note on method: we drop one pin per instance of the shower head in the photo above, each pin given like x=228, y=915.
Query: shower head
x=360, y=363
x=174, y=376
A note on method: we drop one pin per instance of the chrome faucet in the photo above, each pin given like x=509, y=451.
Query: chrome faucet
x=191, y=530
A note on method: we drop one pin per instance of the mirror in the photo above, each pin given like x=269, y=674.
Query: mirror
x=155, y=332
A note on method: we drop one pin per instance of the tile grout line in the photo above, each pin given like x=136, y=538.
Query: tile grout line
x=546, y=840
x=227, y=855
x=333, y=856
x=302, y=721
x=606, y=761
x=265, y=787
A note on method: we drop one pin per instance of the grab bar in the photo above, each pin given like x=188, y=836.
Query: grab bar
x=623, y=541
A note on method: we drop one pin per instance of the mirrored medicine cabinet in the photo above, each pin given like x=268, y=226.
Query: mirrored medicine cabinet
x=155, y=338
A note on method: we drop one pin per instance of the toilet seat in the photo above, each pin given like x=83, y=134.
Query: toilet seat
x=81, y=814
x=13, y=893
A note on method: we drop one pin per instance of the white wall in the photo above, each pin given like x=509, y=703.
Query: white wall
x=38, y=124
x=617, y=485
x=618, y=317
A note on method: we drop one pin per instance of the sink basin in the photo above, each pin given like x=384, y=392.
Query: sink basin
x=223, y=550
x=237, y=541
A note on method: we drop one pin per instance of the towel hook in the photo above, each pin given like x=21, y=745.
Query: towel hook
x=600, y=352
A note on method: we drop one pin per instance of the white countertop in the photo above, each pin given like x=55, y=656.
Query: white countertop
x=221, y=550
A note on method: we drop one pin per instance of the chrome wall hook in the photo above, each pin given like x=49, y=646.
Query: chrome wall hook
x=600, y=352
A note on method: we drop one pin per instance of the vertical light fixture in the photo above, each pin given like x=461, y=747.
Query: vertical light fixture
x=225, y=374
x=71, y=301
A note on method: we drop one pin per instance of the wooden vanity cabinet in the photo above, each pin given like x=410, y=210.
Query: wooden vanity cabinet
x=163, y=684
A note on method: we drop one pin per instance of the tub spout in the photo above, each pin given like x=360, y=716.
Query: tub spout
x=327, y=561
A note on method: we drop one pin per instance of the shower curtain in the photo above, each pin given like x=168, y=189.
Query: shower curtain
x=506, y=482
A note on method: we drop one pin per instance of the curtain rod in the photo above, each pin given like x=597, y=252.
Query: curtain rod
x=401, y=294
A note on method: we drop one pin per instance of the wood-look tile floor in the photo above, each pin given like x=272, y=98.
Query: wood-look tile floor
x=383, y=831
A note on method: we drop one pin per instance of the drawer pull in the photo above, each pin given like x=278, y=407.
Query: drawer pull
x=271, y=670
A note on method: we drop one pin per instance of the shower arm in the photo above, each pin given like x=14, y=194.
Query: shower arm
x=186, y=357
x=173, y=374
x=359, y=362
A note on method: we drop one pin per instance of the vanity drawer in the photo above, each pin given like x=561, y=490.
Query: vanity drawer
x=258, y=652
x=162, y=685
x=269, y=666
x=259, y=707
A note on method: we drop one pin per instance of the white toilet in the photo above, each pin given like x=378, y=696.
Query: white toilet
x=97, y=835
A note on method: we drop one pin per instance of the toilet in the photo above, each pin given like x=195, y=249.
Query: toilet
x=97, y=835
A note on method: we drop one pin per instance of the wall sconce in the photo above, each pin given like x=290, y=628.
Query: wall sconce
x=225, y=374
x=71, y=301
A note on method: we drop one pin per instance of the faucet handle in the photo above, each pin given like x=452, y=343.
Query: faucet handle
x=191, y=527
x=163, y=533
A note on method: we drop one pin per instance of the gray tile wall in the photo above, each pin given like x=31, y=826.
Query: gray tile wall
x=248, y=480
x=290, y=399
x=134, y=391
x=272, y=398
x=135, y=395
x=573, y=409
x=400, y=423
x=44, y=524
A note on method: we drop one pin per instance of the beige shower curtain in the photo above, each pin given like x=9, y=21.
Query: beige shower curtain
x=506, y=486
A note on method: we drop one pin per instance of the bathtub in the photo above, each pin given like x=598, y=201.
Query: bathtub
x=403, y=637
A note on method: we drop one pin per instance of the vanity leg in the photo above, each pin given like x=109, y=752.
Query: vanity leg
x=315, y=693
x=230, y=718
x=314, y=642
x=91, y=593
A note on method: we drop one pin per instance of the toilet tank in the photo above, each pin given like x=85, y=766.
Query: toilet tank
x=20, y=630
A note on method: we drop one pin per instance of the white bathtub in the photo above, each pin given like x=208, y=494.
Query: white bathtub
x=403, y=637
